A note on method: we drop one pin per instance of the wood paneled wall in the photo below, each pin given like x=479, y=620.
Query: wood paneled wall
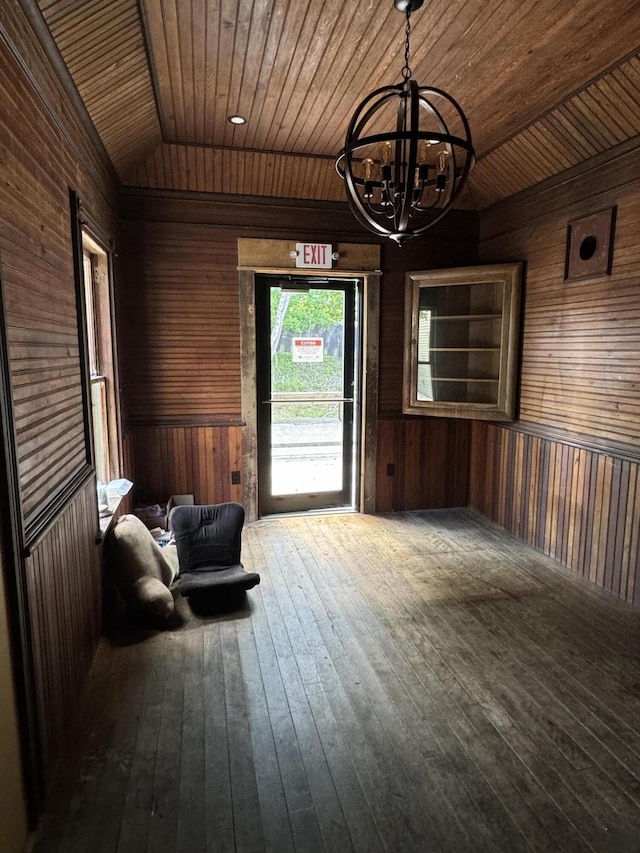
x=422, y=463
x=64, y=582
x=579, y=506
x=179, y=324
x=45, y=149
x=566, y=481
x=180, y=341
x=180, y=460
x=430, y=456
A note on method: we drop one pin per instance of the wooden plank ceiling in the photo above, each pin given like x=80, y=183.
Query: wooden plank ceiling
x=544, y=84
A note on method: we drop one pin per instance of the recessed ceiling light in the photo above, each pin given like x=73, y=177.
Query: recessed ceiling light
x=237, y=119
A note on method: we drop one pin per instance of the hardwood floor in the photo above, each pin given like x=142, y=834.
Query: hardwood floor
x=409, y=682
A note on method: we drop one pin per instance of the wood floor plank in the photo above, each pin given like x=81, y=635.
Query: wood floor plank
x=191, y=831
x=302, y=678
x=138, y=805
x=218, y=800
x=247, y=826
x=273, y=806
x=348, y=692
x=405, y=682
x=165, y=770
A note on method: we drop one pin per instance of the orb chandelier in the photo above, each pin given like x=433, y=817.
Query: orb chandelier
x=407, y=154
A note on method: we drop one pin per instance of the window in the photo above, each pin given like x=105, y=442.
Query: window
x=425, y=384
x=96, y=276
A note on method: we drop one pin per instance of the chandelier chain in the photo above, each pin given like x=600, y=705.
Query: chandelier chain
x=406, y=71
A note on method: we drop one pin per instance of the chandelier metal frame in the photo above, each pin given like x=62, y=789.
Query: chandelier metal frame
x=419, y=171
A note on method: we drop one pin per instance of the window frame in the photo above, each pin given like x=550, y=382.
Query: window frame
x=98, y=342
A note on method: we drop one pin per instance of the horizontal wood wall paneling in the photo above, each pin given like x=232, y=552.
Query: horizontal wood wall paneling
x=302, y=218
x=581, y=344
x=36, y=253
x=179, y=323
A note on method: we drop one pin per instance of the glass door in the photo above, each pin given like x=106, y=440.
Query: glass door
x=307, y=365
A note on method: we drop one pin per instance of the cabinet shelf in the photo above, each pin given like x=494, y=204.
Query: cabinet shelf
x=460, y=379
x=464, y=349
x=466, y=317
x=461, y=342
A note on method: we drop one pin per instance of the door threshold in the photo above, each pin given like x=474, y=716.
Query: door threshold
x=338, y=510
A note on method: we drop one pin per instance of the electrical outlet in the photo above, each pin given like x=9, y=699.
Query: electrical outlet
x=235, y=478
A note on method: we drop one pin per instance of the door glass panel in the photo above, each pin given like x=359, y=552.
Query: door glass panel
x=307, y=391
x=306, y=447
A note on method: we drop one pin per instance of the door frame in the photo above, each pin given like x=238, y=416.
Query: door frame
x=323, y=499
x=366, y=491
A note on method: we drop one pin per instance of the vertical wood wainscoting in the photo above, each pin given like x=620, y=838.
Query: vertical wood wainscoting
x=64, y=583
x=578, y=505
x=196, y=460
x=429, y=459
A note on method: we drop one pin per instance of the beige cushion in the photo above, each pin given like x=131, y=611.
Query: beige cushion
x=142, y=571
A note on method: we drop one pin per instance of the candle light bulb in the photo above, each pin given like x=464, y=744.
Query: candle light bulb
x=368, y=183
x=385, y=158
x=441, y=177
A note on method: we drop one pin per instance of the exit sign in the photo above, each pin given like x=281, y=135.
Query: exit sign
x=315, y=255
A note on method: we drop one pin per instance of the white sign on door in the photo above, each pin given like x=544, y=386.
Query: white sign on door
x=307, y=349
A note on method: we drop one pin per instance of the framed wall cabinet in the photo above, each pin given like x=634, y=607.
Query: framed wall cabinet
x=461, y=342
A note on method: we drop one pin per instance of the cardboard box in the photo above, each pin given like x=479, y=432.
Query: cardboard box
x=177, y=500
x=151, y=516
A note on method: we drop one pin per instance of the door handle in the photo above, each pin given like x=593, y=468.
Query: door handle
x=310, y=400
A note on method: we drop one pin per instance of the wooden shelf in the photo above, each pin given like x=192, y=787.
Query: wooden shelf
x=466, y=317
x=460, y=379
x=464, y=349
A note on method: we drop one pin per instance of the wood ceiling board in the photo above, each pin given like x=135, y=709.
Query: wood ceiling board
x=226, y=170
x=298, y=70
x=540, y=64
x=263, y=65
x=102, y=44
